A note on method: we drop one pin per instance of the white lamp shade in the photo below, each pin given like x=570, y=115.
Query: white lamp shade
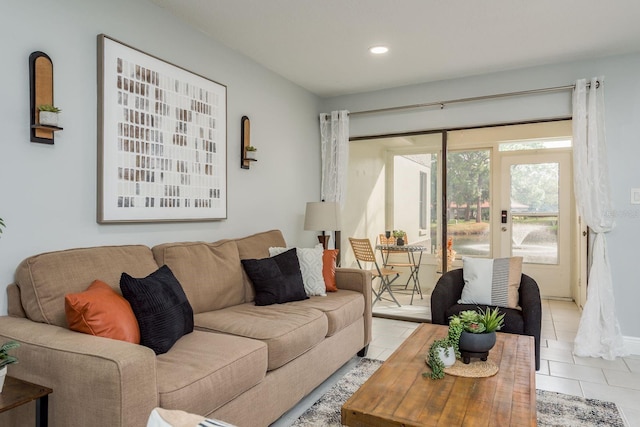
x=322, y=216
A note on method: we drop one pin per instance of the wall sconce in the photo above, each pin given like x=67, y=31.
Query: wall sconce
x=324, y=216
x=41, y=98
x=247, y=151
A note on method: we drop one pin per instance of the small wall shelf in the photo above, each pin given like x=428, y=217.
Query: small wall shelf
x=41, y=91
x=47, y=127
x=245, y=141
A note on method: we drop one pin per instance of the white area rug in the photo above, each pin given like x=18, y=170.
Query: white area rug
x=554, y=409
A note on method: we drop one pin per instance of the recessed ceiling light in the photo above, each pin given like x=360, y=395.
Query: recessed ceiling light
x=378, y=50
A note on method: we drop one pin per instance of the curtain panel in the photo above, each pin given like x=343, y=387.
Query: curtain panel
x=334, y=134
x=599, y=331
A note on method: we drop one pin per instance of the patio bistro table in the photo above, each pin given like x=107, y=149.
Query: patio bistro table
x=411, y=251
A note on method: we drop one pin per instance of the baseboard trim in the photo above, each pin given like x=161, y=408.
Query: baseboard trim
x=400, y=317
x=632, y=345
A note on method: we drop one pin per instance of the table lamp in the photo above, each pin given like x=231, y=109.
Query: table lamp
x=323, y=216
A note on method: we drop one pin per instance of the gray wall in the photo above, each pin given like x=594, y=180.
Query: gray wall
x=48, y=193
x=622, y=104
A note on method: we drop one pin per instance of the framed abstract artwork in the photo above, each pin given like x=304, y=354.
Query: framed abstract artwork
x=162, y=139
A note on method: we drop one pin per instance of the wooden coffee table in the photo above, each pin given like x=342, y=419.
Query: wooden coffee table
x=398, y=395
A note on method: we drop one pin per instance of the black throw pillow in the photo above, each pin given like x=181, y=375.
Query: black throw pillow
x=276, y=280
x=161, y=308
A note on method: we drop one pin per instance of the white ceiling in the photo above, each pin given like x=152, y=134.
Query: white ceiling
x=322, y=44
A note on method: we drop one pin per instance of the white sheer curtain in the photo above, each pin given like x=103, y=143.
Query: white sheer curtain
x=334, y=133
x=599, y=332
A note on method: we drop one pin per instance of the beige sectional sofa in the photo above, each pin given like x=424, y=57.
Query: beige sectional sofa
x=243, y=363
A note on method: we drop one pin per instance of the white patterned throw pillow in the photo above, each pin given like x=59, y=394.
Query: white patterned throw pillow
x=160, y=417
x=491, y=281
x=310, y=260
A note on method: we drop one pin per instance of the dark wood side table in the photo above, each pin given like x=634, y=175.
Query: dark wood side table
x=17, y=392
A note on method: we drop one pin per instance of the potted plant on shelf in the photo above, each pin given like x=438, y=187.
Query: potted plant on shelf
x=250, y=152
x=48, y=115
x=399, y=235
x=479, y=332
x=6, y=359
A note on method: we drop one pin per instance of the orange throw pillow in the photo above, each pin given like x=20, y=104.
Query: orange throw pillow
x=329, y=269
x=102, y=312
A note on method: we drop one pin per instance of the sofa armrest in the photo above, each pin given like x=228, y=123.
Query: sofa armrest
x=354, y=279
x=96, y=381
x=446, y=294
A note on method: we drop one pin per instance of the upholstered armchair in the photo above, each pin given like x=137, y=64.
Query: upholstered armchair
x=528, y=321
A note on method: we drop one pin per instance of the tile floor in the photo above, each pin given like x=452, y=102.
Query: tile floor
x=419, y=310
x=616, y=381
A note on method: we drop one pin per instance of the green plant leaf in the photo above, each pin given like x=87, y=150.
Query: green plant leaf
x=49, y=107
x=7, y=361
x=5, y=358
x=9, y=345
x=492, y=320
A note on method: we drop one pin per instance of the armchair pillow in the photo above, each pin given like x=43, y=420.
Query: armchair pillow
x=161, y=308
x=491, y=281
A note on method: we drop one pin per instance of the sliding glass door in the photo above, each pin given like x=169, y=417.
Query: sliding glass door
x=468, y=202
x=496, y=192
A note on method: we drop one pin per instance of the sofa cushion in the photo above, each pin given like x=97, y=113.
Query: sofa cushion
x=45, y=279
x=257, y=245
x=276, y=280
x=102, y=312
x=161, y=308
x=205, y=370
x=342, y=308
x=210, y=273
x=288, y=330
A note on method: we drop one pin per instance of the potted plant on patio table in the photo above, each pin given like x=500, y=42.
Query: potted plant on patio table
x=399, y=235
